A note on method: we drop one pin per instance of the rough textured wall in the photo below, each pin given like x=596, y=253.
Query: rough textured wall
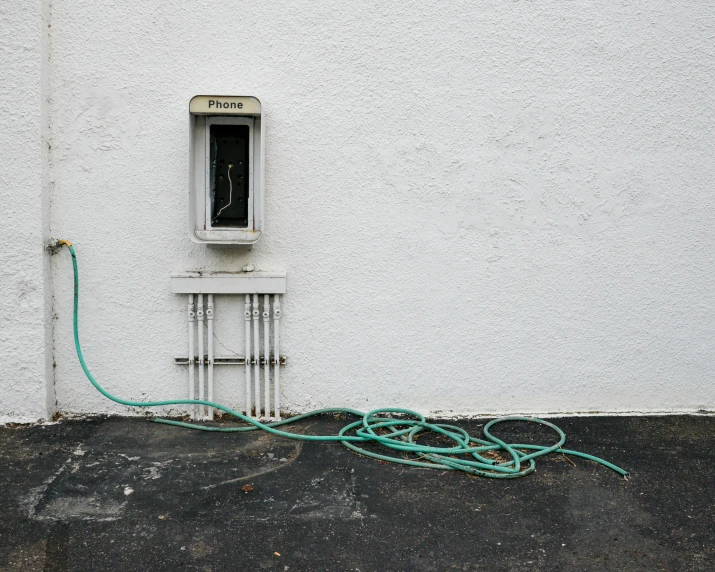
x=482, y=206
x=26, y=391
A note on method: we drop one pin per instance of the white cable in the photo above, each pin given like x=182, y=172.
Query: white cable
x=230, y=191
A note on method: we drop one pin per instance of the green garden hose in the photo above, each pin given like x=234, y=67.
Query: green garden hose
x=397, y=435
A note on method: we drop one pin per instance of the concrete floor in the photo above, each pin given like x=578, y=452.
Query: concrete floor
x=126, y=494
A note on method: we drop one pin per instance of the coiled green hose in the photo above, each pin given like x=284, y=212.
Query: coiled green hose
x=396, y=435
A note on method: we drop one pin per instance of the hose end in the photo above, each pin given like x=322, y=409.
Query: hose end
x=61, y=243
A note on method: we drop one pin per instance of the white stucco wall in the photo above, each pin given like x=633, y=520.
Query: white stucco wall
x=26, y=389
x=482, y=206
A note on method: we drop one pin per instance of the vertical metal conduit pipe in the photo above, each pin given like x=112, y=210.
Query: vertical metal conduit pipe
x=247, y=316
x=210, y=342
x=257, y=354
x=200, y=318
x=192, y=315
x=277, y=354
x=267, y=352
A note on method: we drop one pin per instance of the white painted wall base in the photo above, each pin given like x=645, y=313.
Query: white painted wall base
x=26, y=382
x=483, y=207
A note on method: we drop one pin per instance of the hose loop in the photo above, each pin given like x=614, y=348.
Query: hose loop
x=394, y=431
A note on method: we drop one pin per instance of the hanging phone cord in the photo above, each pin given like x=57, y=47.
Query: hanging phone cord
x=230, y=191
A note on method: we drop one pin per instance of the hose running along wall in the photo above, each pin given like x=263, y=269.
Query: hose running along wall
x=390, y=433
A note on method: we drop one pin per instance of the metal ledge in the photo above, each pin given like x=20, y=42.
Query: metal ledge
x=228, y=282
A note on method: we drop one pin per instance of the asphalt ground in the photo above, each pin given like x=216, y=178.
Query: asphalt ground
x=127, y=494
